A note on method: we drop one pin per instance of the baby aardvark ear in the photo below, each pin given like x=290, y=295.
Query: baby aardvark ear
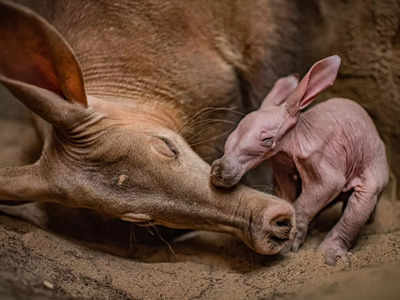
x=39, y=67
x=321, y=76
x=282, y=88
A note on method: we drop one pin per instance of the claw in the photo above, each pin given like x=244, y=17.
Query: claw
x=296, y=246
x=299, y=239
x=332, y=256
x=287, y=247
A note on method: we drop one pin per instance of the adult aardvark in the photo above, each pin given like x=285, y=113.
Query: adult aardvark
x=116, y=88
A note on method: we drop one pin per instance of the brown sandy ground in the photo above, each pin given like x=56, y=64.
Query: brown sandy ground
x=205, y=266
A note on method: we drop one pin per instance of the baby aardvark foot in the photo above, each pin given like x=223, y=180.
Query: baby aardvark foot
x=301, y=234
x=333, y=252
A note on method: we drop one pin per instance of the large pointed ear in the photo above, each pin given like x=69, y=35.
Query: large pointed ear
x=321, y=76
x=282, y=88
x=37, y=64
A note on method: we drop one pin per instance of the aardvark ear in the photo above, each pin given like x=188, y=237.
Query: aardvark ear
x=282, y=88
x=321, y=76
x=39, y=67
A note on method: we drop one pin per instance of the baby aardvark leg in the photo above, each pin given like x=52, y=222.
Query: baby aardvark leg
x=313, y=198
x=360, y=206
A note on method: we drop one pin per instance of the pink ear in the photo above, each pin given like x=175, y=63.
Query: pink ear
x=282, y=88
x=321, y=76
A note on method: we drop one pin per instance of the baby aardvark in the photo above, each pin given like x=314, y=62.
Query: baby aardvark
x=333, y=148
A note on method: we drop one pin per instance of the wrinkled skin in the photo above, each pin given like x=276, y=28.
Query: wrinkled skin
x=333, y=148
x=111, y=138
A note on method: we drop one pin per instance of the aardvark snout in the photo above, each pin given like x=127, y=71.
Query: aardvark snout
x=277, y=227
x=224, y=173
x=282, y=227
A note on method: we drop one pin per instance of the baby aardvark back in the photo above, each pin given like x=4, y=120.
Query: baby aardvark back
x=334, y=147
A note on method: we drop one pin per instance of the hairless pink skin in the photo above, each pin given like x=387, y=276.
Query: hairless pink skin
x=333, y=147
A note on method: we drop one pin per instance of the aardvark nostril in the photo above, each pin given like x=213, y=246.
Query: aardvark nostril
x=216, y=171
x=283, y=223
x=282, y=227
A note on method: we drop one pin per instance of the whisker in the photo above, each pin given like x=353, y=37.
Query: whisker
x=195, y=137
x=207, y=124
x=210, y=139
x=210, y=109
x=149, y=230
x=201, y=122
x=132, y=237
x=230, y=109
x=194, y=117
x=164, y=241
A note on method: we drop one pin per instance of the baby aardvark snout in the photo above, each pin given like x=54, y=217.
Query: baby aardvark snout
x=224, y=173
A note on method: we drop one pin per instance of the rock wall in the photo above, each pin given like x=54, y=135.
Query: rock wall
x=366, y=34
